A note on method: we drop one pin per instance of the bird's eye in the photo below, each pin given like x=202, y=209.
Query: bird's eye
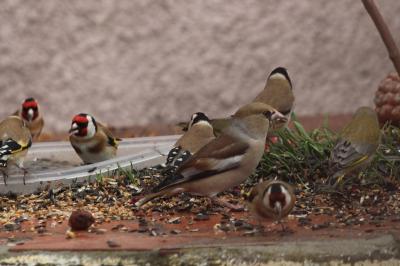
x=268, y=114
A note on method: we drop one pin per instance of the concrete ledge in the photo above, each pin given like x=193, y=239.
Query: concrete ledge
x=383, y=250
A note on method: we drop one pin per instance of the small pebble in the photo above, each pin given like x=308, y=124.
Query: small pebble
x=175, y=231
x=112, y=244
x=201, y=217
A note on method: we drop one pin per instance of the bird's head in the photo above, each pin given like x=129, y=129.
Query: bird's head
x=277, y=198
x=30, y=109
x=280, y=73
x=198, y=118
x=83, y=125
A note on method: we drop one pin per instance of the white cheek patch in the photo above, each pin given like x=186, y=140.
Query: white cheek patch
x=288, y=198
x=191, y=120
x=91, y=129
x=266, y=197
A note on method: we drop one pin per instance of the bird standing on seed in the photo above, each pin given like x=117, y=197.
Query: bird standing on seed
x=91, y=140
x=15, y=140
x=272, y=199
x=224, y=162
x=277, y=93
x=30, y=113
x=356, y=145
x=198, y=134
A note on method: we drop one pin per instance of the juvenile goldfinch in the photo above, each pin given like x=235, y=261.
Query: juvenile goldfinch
x=30, y=113
x=199, y=133
x=92, y=141
x=272, y=199
x=224, y=162
x=15, y=140
x=278, y=92
x=356, y=145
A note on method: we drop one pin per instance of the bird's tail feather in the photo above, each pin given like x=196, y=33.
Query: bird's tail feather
x=147, y=198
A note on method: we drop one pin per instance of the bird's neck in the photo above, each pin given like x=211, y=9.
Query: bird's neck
x=254, y=126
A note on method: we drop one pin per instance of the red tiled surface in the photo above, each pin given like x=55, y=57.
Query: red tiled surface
x=54, y=238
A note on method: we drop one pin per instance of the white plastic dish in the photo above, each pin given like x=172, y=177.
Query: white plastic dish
x=135, y=153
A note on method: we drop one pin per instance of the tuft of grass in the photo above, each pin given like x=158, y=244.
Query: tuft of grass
x=387, y=160
x=303, y=157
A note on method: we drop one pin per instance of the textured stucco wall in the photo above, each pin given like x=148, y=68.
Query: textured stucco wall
x=152, y=61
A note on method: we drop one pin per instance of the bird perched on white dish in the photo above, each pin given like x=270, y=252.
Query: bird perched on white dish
x=224, y=162
x=15, y=140
x=92, y=141
x=30, y=112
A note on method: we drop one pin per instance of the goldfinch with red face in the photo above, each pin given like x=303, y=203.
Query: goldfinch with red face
x=272, y=199
x=198, y=134
x=30, y=113
x=92, y=141
x=356, y=146
x=15, y=140
x=224, y=162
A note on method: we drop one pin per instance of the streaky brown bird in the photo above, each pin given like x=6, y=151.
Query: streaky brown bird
x=224, y=162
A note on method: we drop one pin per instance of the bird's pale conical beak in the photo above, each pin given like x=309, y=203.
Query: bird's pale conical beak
x=74, y=127
x=277, y=116
x=31, y=113
x=278, y=209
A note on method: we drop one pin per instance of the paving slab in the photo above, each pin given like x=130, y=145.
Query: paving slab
x=199, y=241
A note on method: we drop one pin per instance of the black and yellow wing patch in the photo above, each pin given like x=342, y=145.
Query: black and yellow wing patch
x=113, y=141
x=9, y=147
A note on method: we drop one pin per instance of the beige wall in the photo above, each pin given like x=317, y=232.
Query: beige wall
x=136, y=62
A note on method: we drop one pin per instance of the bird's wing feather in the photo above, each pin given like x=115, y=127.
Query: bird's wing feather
x=111, y=140
x=253, y=193
x=347, y=154
x=220, y=155
x=9, y=147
